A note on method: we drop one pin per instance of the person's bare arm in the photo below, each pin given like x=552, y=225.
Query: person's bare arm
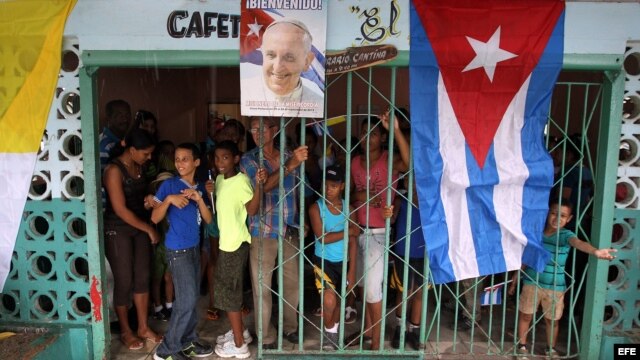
x=354, y=231
x=401, y=164
x=300, y=154
x=603, y=254
x=354, y=228
x=391, y=212
x=514, y=281
x=113, y=184
x=316, y=226
x=254, y=204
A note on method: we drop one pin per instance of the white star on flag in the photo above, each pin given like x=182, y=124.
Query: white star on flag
x=254, y=28
x=488, y=54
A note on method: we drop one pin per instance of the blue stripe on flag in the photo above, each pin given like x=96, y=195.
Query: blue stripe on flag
x=315, y=72
x=425, y=137
x=534, y=151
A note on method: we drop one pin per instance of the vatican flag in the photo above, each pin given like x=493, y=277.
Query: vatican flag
x=30, y=54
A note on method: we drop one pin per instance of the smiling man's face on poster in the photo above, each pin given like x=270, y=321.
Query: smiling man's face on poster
x=282, y=59
x=286, y=53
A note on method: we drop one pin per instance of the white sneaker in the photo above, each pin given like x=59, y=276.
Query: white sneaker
x=229, y=349
x=522, y=351
x=552, y=354
x=350, y=315
x=228, y=336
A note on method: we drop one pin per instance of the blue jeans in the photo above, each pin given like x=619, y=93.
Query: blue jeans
x=185, y=270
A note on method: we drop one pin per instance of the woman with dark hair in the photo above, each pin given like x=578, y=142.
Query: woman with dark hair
x=129, y=235
x=147, y=121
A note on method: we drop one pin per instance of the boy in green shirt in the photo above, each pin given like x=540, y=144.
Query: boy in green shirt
x=548, y=288
x=235, y=199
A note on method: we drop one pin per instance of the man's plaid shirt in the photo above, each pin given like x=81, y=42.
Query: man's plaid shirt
x=271, y=200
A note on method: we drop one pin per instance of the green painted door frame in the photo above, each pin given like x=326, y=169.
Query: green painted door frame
x=608, y=142
x=93, y=211
x=603, y=212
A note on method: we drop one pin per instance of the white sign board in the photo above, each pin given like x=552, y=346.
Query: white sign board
x=214, y=24
x=590, y=27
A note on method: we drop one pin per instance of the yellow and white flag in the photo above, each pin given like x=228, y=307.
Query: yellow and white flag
x=30, y=54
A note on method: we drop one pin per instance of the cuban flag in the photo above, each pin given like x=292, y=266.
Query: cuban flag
x=492, y=295
x=481, y=79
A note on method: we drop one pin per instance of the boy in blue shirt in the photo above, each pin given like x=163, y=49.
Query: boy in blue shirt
x=328, y=217
x=181, y=201
x=548, y=287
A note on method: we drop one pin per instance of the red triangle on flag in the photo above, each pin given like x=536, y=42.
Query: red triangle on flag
x=481, y=95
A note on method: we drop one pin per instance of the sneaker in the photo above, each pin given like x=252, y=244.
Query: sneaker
x=395, y=341
x=159, y=315
x=522, y=349
x=552, y=353
x=163, y=315
x=229, y=349
x=413, y=339
x=228, y=336
x=350, y=315
x=167, y=312
x=177, y=356
x=330, y=341
x=317, y=312
x=197, y=349
x=292, y=337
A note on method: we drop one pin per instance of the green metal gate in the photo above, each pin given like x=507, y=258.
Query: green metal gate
x=582, y=122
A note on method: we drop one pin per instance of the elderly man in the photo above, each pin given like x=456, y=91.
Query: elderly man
x=280, y=91
x=265, y=229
